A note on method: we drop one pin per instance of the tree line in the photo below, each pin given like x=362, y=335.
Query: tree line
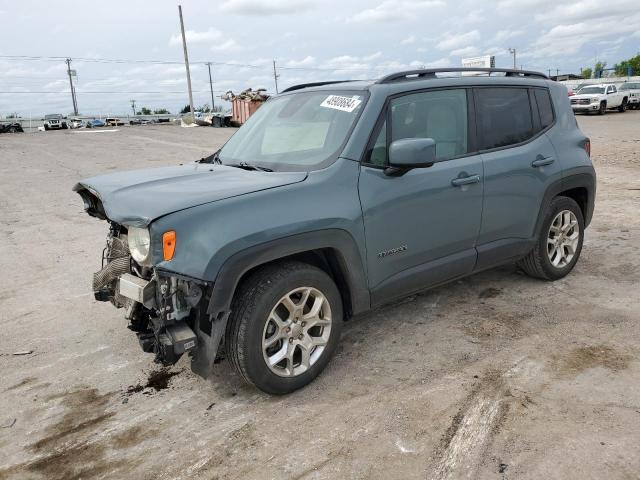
x=619, y=69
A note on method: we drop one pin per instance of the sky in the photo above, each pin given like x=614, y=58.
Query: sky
x=124, y=50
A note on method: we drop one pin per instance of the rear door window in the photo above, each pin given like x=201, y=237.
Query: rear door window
x=504, y=116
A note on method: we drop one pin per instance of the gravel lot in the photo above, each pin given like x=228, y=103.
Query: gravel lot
x=497, y=376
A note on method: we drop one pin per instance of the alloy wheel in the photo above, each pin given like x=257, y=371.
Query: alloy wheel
x=296, y=332
x=563, y=239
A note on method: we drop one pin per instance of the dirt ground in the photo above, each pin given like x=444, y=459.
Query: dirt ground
x=497, y=376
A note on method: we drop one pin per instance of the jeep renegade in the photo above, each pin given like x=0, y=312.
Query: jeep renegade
x=335, y=198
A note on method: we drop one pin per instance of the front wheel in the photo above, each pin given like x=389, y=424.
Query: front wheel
x=603, y=108
x=284, y=327
x=559, y=241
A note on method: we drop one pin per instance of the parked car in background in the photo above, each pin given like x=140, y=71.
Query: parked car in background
x=76, y=123
x=337, y=198
x=632, y=89
x=140, y=121
x=12, y=127
x=94, y=123
x=599, y=98
x=113, y=122
x=55, y=121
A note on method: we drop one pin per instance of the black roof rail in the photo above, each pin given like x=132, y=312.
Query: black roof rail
x=431, y=73
x=314, y=84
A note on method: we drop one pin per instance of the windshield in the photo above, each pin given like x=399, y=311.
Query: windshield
x=588, y=90
x=55, y=116
x=630, y=86
x=295, y=132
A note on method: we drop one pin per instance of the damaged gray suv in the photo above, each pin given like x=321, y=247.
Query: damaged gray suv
x=335, y=198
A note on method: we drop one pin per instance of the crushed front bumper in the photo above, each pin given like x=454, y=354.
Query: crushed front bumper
x=167, y=311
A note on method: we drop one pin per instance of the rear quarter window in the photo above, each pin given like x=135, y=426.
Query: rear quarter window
x=545, y=108
x=504, y=116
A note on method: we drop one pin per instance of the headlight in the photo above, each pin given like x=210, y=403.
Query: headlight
x=595, y=100
x=139, y=243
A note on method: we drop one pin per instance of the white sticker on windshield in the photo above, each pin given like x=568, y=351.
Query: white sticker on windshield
x=346, y=104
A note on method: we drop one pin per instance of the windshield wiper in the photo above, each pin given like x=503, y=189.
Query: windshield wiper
x=213, y=158
x=249, y=166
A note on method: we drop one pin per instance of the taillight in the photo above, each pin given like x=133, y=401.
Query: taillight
x=587, y=147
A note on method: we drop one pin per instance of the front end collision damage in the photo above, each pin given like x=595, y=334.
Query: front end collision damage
x=168, y=312
x=215, y=258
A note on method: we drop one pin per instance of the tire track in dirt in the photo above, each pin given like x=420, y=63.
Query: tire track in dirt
x=472, y=428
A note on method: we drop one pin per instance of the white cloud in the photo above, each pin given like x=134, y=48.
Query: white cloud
x=439, y=63
x=226, y=46
x=502, y=35
x=306, y=61
x=452, y=41
x=474, y=16
x=267, y=7
x=395, y=11
x=373, y=56
x=469, y=51
x=409, y=40
x=587, y=9
x=568, y=39
x=210, y=35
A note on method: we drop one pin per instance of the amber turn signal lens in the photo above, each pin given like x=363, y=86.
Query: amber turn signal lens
x=168, y=244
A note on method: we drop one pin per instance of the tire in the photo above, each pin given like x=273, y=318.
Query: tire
x=12, y=130
x=538, y=262
x=46, y=128
x=603, y=108
x=251, y=325
x=623, y=106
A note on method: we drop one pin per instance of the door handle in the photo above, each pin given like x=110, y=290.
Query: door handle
x=541, y=161
x=457, y=182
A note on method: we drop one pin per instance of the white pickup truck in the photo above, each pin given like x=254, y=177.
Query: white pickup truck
x=599, y=98
x=633, y=90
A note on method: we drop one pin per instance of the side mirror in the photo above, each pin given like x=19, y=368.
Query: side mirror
x=412, y=153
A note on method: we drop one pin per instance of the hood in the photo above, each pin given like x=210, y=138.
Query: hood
x=138, y=197
x=586, y=95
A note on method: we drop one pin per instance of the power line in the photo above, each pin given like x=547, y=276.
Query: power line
x=111, y=92
x=171, y=62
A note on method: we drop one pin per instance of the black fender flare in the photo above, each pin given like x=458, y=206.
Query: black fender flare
x=584, y=179
x=343, y=244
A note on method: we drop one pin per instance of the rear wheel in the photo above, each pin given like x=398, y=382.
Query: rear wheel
x=284, y=327
x=623, y=106
x=603, y=108
x=559, y=242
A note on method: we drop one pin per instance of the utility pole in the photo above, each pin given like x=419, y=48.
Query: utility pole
x=275, y=76
x=186, y=60
x=512, y=51
x=549, y=70
x=133, y=107
x=557, y=72
x=73, y=91
x=210, y=85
